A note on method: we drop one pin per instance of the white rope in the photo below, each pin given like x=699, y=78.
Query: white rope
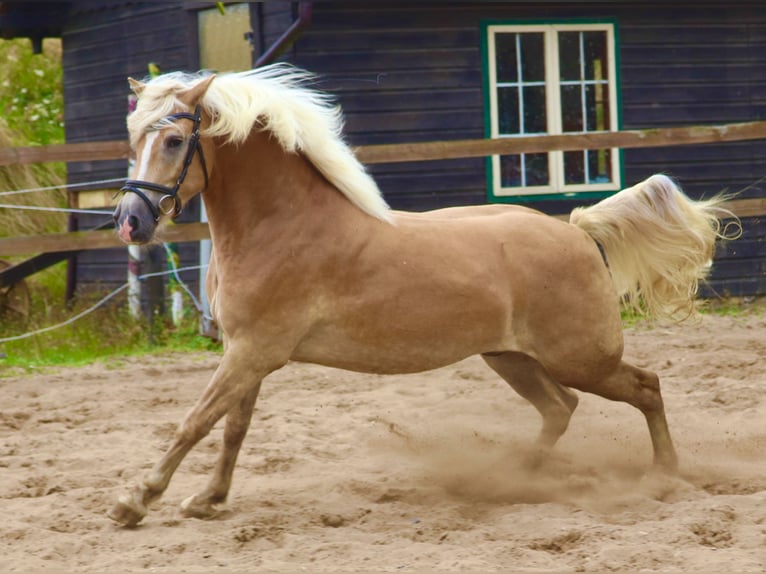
x=57, y=209
x=174, y=272
x=68, y=321
x=99, y=304
x=64, y=186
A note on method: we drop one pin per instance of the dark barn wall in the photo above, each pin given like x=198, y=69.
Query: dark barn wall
x=685, y=66
x=274, y=18
x=405, y=74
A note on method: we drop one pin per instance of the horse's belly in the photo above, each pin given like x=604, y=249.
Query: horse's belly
x=387, y=359
x=403, y=344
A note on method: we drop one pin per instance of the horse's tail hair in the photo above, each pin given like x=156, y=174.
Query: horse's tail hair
x=658, y=243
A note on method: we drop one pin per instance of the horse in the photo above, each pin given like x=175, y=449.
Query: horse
x=310, y=264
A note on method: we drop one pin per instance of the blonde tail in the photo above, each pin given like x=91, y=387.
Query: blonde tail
x=658, y=243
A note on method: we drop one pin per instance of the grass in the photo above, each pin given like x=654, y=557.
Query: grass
x=108, y=333
x=735, y=306
x=722, y=307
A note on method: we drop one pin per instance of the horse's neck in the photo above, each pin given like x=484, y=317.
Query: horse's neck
x=259, y=191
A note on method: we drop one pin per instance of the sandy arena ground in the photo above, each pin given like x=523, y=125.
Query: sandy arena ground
x=350, y=472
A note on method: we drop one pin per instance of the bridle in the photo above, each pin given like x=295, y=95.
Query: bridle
x=169, y=203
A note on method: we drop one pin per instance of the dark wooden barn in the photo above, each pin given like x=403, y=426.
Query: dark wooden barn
x=423, y=71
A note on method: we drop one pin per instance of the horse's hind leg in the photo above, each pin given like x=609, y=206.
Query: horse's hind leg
x=202, y=505
x=641, y=389
x=529, y=378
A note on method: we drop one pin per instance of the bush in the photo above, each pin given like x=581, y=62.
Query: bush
x=31, y=113
x=31, y=98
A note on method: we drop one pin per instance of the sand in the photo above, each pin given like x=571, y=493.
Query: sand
x=350, y=472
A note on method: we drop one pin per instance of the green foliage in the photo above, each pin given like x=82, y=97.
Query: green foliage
x=31, y=98
x=31, y=113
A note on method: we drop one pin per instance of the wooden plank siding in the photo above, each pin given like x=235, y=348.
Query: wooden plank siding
x=708, y=69
x=404, y=73
x=276, y=17
x=413, y=72
x=740, y=266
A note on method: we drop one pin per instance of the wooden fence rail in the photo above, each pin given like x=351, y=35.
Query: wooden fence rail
x=104, y=239
x=386, y=153
x=90, y=151
x=390, y=153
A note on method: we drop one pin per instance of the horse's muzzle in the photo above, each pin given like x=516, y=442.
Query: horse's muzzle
x=133, y=221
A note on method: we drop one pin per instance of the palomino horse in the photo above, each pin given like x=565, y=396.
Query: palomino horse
x=311, y=265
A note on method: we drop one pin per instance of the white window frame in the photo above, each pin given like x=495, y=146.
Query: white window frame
x=556, y=185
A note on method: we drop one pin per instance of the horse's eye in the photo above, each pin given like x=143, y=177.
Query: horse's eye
x=173, y=142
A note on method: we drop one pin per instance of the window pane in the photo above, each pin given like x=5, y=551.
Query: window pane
x=599, y=166
x=597, y=107
x=508, y=111
x=571, y=108
x=510, y=170
x=532, y=58
x=595, y=56
x=524, y=170
x=505, y=55
x=534, y=110
x=569, y=55
x=574, y=167
x=536, y=168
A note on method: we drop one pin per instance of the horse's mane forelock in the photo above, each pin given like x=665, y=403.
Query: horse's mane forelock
x=275, y=98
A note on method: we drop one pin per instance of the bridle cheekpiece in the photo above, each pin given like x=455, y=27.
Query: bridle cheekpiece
x=169, y=203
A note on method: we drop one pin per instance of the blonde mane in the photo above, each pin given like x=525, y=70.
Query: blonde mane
x=273, y=98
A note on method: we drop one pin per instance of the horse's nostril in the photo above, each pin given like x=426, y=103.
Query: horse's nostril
x=133, y=223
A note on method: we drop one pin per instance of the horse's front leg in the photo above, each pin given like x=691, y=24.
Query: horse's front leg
x=231, y=383
x=202, y=505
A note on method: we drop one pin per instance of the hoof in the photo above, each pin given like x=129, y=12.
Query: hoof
x=194, y=508
x=533, y=460
x=666, y=465
x=665, y=487
x=127, y=512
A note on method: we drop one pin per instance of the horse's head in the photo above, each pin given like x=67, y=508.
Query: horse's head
x=170, y=162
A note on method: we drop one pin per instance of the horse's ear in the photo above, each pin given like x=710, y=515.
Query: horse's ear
x=193, y=95
x=136, y=86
